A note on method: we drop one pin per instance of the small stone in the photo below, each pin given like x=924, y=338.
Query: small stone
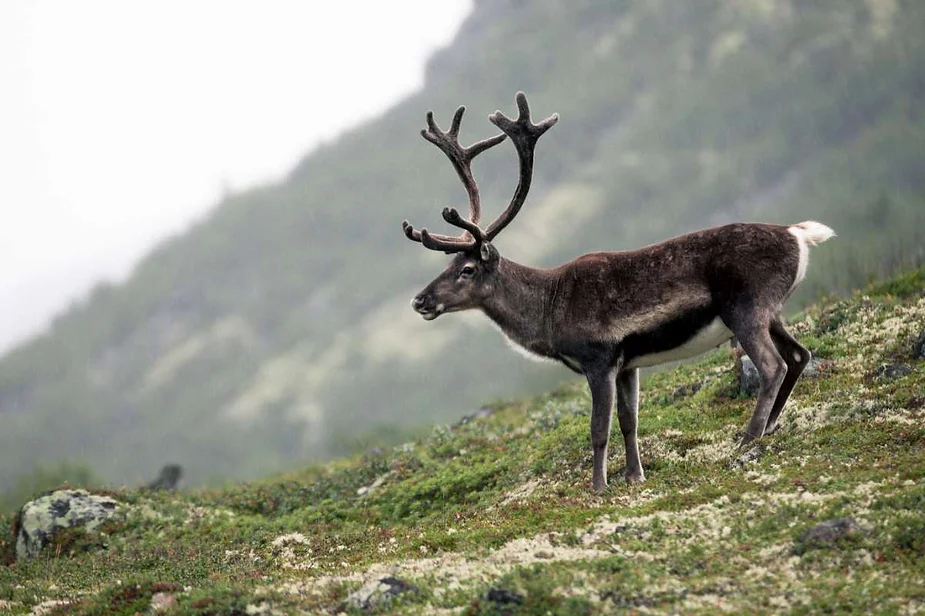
x=163, y=601
x=889, y=372
x=752, y=454
x=830, y=531
x=815, y=367
x=502, y=596
x=377, y=592
x=686, y=390
x=918, y=349
x=749, y=381
x=479, y=414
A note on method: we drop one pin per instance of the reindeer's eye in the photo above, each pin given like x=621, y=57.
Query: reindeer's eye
x=467, y=271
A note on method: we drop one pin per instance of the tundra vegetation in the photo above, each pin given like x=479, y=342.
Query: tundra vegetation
x=493, y=514
x=235, y=348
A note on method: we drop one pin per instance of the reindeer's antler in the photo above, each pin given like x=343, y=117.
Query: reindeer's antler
x=461, y=159
x=523, y=133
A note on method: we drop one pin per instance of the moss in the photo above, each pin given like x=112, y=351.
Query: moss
x=219, y=600
x=709, y=530
x=127, y=598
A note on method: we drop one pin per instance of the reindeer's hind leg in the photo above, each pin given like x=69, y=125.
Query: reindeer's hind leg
x=627, y=413
x=797, y=357
x=752, y=328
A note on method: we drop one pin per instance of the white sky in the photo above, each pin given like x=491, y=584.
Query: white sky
x=122, y=121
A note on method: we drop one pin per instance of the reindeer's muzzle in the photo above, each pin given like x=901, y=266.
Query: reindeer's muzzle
x=426, y=306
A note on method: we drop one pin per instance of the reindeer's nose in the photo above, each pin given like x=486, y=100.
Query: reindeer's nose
x=417, y=303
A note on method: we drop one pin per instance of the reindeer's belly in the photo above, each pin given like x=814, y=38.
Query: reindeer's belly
x=671, y=342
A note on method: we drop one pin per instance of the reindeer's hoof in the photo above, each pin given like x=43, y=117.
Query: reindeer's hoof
x=747, y=439
x=771, y=429
x=599, y=485
x=635, y=477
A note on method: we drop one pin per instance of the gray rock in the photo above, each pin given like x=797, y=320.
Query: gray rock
x=752, y=454
x=918, y=349
x=365, y=490
x=749, y=382
x=163, y=601
x=887, y=372
x=815, y=367
x=502, y=596
x=377, y=592
x=686, y=390
x=479, y=414
x=41, y=518
x=829, y=532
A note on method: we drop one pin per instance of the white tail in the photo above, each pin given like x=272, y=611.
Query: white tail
x=812, y=232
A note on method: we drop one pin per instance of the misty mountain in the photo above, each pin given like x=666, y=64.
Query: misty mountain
x=278, y=328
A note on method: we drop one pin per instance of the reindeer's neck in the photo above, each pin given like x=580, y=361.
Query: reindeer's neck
x=519, y=305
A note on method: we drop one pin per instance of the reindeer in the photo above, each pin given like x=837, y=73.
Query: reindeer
x=607, y=314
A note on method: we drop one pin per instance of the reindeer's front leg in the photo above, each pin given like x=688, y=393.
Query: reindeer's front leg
x=627, y=413
x=602, y=384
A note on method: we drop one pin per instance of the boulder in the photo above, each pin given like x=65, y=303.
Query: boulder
x=377, y=592
x=41, y=518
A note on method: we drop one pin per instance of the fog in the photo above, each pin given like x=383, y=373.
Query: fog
x=123, y=122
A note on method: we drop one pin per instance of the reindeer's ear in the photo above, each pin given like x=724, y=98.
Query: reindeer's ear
x=485, y=251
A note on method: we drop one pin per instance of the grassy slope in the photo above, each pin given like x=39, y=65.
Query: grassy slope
x=504, y=502
x=236, y=348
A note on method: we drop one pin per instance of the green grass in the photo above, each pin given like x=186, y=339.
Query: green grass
x=504, y=503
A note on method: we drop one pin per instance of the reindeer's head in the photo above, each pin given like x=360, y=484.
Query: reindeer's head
x=462, y=285
x=470, y=276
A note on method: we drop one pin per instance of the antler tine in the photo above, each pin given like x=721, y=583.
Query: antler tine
x=457, y=120
x=413, y=234
x=524, y=133
x=480, y=146
x=410, y=231
x=451, y=215
x=444, y=243
x=460, y=157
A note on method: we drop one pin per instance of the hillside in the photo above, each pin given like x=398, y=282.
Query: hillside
x=494, y=515
x=277, y=330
